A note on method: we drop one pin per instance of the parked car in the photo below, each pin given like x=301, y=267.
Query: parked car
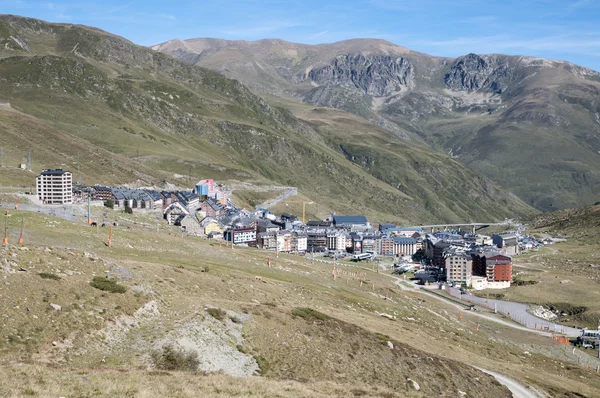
x=587, y=345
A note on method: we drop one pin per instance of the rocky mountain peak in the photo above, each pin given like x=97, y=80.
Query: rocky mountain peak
x=376, y=75
x=470, y=72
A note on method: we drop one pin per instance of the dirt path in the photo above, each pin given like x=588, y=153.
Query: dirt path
x=289, y=191
x=517, y=389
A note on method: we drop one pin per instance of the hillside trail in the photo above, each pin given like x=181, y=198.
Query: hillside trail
x=517, y=389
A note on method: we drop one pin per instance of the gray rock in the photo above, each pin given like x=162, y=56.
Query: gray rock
x=376, y=75
x=56, y=307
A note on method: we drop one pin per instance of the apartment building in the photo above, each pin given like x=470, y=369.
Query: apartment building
x=336, y=241
x=459, y=267
x=55, y=187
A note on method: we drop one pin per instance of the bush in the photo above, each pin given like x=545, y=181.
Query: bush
x=309, y=313
x=110, y=204
x=108, y=285
x=263, y=364
x=521, y=282
x=171, y=358
x=128, y=210
x=217, y=313
x=46, y=275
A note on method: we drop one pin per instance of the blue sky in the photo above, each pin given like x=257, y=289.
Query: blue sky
x=556, y=29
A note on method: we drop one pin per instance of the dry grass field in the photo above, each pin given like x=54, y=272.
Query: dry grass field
x=305, y=333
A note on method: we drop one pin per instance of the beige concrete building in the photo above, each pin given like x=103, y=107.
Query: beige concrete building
x=55, y=187
x=459, y=268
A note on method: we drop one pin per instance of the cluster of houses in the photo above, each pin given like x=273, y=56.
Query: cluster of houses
x=477, y=261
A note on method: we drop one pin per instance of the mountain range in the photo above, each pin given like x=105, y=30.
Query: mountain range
x=531, y=125
x=119, y=113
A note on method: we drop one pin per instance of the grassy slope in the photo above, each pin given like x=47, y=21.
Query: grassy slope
x=567, y=273
x=338, y=356
x=138, y=116
x=540, y=141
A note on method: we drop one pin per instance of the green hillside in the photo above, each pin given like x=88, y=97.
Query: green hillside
x=138, y=116
x=530, y=125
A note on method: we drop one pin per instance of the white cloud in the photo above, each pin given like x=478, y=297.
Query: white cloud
x=319, y=34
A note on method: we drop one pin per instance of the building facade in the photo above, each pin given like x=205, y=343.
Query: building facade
x=55, y=187
x=243, y=236
x=404, y=246
x=459, y=268
x=336, y=241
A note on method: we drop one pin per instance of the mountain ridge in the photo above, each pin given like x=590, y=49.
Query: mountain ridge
x=161, y=119
x=466, y=107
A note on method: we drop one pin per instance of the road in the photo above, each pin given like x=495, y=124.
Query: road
x=488, y=317
x=517, y=389
x=289, y=191
x=519, y=311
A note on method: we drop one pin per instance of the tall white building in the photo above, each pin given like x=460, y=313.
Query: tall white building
x=55, y=187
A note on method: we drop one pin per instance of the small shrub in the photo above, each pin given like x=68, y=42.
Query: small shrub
x=110, y=204
x=263, y=364
x=46, y=275
x=217, y=313
x=171, y=358
x=242, y=349
x=107, y=285
x=520, y=282
x=310, y=314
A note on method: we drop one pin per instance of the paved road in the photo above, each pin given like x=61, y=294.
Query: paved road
x=488, y=317
x=517, y=389
x=519, y=311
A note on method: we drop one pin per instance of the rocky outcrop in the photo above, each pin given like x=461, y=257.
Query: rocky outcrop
x=378, y=75
x=475, y=72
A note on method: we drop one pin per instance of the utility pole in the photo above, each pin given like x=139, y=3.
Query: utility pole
x=89, y=208
x=5, y=241
x=21, y=239
x=79, y=168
